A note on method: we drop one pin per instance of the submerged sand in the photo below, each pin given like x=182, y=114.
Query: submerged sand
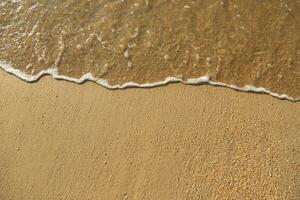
x=235, y=42
x=60, y=140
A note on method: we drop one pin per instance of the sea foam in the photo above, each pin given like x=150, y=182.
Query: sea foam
x=89, y=77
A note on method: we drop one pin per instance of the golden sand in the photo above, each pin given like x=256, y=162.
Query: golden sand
x=235, y=42
x=60, y=140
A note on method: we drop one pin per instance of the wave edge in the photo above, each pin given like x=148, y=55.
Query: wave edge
x=89, y=77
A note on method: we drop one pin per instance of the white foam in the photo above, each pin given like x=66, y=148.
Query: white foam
x=89, y=77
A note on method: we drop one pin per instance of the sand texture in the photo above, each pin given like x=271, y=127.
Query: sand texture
x=60, y=140
x=240, y=42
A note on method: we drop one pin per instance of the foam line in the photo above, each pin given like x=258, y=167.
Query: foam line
x=89, y=77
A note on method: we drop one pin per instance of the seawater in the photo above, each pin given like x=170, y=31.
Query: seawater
x=248, y=46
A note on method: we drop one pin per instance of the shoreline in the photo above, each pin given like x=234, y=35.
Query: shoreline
x=102, y=82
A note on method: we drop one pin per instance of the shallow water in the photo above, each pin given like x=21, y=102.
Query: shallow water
x=136, y=42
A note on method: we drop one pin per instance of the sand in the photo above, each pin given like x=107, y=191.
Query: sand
x=232, y=41
x=60, y=140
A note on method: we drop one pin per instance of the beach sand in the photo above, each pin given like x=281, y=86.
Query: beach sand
x=60, y=140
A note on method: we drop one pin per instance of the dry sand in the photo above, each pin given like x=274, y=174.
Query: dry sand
x=59, y=140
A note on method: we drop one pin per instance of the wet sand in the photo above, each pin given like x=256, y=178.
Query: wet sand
x=59, y=140
x=235, y=42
